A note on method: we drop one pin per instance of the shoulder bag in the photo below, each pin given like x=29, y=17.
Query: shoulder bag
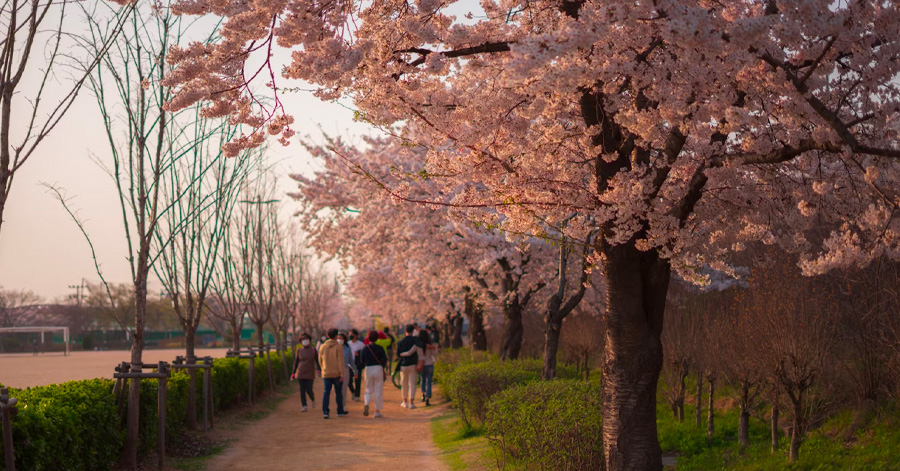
x=383, y=368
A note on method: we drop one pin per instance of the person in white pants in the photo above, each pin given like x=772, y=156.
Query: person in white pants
x=409, y=352
x=374, y=360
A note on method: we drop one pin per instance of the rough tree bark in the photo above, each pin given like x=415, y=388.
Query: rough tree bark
x=513, y=329
x=556, y=312
x=637, y=283
x=477, y=337
x=457, y=340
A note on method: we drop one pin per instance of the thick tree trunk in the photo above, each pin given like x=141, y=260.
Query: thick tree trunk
x=457, y=339
x=637, y=283
x=477, y=337
x=446, y=331
x=513, y=330
x=711, y=415
x=551, y=345
x=191, y=410
x=698, y=413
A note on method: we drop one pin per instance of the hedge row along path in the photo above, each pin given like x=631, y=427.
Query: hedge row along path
x=288, y=439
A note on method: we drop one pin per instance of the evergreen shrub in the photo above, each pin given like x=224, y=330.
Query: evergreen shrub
x=471, y=386
x=548, y=425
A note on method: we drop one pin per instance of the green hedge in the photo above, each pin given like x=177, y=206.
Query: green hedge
x=67, y=426
x=552, y=425
x=449, y=360
x=76, y=426
x=472, y=385
x=536, y=366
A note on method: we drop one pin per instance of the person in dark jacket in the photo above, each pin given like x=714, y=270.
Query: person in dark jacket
x=305, y=363
x=374, y=360
x=408, y=363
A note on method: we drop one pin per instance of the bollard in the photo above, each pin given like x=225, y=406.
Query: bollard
x=7, y=405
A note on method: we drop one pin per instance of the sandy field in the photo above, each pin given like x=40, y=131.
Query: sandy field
x=21, y=370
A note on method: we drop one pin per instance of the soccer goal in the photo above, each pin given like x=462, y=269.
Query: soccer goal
x=40, y=329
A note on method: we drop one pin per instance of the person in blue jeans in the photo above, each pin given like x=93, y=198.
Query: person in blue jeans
x=427, y=374
x=331, y=359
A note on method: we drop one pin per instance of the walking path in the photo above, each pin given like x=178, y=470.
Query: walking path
x=288, y=439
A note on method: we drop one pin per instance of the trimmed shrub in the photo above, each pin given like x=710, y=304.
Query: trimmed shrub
x=71, y=426
x=471, y=386
x=536, y=365
x=449, y=360
x=552, y=425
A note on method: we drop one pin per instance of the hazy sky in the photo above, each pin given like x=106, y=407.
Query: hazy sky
x=41, y=248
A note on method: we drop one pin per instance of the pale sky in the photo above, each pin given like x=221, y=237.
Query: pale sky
x=41, y=248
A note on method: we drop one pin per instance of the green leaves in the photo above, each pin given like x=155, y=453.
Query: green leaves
x=548, y=424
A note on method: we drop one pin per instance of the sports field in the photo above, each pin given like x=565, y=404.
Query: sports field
x=22, y=370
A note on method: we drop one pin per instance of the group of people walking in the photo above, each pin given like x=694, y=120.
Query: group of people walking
x=341, y=359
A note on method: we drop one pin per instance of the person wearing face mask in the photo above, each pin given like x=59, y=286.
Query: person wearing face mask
x=305, y=363
x=356, y=346
x=349, y=366
x=331, y=359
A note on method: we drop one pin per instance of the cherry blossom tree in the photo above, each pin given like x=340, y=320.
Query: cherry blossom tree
x=680, y=128
x=410, y=256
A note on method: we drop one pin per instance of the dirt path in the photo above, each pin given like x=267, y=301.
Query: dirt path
x=289, y=439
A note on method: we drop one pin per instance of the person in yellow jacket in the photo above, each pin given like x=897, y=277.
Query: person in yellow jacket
x=331, y=359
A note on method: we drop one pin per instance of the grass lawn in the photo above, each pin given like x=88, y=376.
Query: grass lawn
x=461, y=448
x=875, y=447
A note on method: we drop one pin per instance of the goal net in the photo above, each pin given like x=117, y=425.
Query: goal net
x=32, y=338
